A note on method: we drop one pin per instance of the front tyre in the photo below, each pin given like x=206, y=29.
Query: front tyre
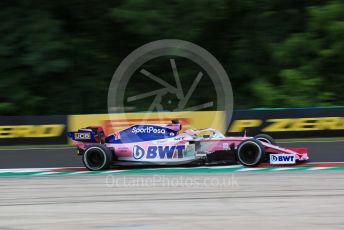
x=250, y=153
x=265, y=138
x=97, y=157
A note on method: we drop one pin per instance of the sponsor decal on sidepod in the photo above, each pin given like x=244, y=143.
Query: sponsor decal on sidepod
x=162, y=152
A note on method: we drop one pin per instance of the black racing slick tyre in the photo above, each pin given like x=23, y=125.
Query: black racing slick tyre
x=265, y=138
x=250, y=153
x=97, y=157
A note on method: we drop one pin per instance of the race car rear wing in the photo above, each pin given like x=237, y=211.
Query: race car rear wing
x=88, y=134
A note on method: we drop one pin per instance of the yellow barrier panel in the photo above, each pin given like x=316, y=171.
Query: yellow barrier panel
x=116, y=122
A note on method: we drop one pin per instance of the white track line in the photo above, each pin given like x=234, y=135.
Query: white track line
x=81, y=172
x=20, y=170
x=46, y=173
x=281, y=169
x=249, y=169
x=318, y=168
x=112, y=171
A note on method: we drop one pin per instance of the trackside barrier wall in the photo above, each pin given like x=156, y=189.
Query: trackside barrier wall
x=280, y=123
x=33, y=130
x=289, y=123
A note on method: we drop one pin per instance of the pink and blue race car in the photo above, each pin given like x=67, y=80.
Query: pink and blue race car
x=165, y=144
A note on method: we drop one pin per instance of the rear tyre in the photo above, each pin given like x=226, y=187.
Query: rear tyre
x=265, y=138
x=97, y=157
x=250, y=153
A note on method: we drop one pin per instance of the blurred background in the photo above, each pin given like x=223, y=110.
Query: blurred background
x=277, y=53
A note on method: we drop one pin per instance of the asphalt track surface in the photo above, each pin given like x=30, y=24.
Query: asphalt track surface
x=319, y=151
x=279, y=200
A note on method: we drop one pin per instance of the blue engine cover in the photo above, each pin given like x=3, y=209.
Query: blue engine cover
x=139, y=133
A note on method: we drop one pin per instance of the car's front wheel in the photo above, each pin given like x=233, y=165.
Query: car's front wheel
x=250, y=153
x=265, y=138
x=97, y=157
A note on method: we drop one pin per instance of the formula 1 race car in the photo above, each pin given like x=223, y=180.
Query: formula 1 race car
x=161, y=144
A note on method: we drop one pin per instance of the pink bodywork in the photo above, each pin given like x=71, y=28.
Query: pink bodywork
x=217, y=145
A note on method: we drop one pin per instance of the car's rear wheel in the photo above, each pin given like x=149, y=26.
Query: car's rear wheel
x=97, y=157
x=250, y=153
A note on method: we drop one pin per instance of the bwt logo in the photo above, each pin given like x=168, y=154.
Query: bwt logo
x=282, y=158
x=162, y=152
x=148, y=129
